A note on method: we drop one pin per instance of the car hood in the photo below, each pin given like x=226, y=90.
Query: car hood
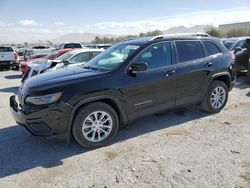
x=60, y=78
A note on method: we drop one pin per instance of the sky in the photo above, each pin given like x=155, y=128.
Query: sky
x=30, y=20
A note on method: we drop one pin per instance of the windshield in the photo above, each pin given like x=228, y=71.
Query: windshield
x=228, y=43
x=6, y=49
x=65, y=56
x=113, y=56
x=51, y=55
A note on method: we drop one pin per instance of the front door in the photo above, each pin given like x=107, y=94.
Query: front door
x=155, y=89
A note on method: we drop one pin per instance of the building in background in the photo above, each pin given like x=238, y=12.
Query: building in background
x=244, y=26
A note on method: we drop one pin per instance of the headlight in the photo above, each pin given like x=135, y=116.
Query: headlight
x=45, y=99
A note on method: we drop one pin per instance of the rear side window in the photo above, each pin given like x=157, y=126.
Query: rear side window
x=6, y=49
x=189, y=50
x=73, y=45
x=211, y=48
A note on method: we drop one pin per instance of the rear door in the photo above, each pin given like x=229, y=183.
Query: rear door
x=191, y=71
x=6, y=54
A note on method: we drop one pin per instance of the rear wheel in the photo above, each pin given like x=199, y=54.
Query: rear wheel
x=95, y=125
x=216, y=97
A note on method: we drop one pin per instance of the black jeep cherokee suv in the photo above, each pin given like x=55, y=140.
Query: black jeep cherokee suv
x=129, y=80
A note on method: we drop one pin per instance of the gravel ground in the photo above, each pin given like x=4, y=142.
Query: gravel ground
x=184, y=148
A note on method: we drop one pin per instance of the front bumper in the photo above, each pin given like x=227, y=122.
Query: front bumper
x=42, y=121
x=6, y=64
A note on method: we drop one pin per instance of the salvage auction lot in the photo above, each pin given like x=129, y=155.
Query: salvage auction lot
x=184, y=148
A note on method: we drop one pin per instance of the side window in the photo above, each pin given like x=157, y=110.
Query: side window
x=241, y=44
x=95, y=53
x=156, y=56
x=189, y=50
x=211, y=48
x=82, y=57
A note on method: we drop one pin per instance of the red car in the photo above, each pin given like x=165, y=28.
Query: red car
x=53, y=55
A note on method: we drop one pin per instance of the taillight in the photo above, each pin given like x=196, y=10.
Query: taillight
x=232, y=56
x=15, y=56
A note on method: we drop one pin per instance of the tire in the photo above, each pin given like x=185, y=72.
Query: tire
x=209, y=103
x=91, y=119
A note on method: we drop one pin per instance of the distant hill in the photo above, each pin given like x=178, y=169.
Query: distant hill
x=88, y=37
x=183, y=29
x=79, y=37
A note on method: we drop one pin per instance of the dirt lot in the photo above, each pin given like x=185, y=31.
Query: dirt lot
x=184, y=148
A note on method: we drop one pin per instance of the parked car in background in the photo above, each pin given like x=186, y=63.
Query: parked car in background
x=233, y=43
x=21, y=53
x=42, y=47
x=38, y=56
x=99, y=46
x=36, y=50
x=238, y=47
x=51, y=56
x=72, y=45
x=129, y=80
x=8, y=58
x=76, y=57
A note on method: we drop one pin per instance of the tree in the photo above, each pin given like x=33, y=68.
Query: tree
x=214, y=32
x=100, y=40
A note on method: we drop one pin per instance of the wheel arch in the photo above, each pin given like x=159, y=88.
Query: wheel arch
x=110, y=100
x=224, y=77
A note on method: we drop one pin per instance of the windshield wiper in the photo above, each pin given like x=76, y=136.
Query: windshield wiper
x=95, y=68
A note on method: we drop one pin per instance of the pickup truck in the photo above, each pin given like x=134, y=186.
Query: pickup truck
x=8, y=58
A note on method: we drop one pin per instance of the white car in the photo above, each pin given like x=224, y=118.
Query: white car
x=8, y=57
x=72, y=45
x=72, y=58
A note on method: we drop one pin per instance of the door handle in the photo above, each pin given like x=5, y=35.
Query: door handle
x=209, y=64
x=170, y=73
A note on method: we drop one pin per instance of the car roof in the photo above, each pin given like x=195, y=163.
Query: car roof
x=87, y=50
x=144, y=40
x=65, y=50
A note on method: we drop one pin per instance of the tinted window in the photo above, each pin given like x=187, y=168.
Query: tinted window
x=211, y=48
x=6, y=49
x=156, y=56
x=82, y=57
x=73, y=45
x=189, y=50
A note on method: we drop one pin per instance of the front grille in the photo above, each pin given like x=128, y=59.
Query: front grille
x=5, y=62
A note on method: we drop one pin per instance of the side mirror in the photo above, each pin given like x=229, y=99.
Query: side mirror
x=66, y=62
x=139, y=67
x=237, y=49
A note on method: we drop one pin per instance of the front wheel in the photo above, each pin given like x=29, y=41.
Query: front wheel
x=95, y=125
x=216, y=97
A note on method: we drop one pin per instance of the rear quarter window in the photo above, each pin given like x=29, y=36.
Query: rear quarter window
x=6, y=49
x=211, y=48
x=189, y=50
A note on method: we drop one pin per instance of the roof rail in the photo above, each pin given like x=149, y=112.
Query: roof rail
x=180, y=35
